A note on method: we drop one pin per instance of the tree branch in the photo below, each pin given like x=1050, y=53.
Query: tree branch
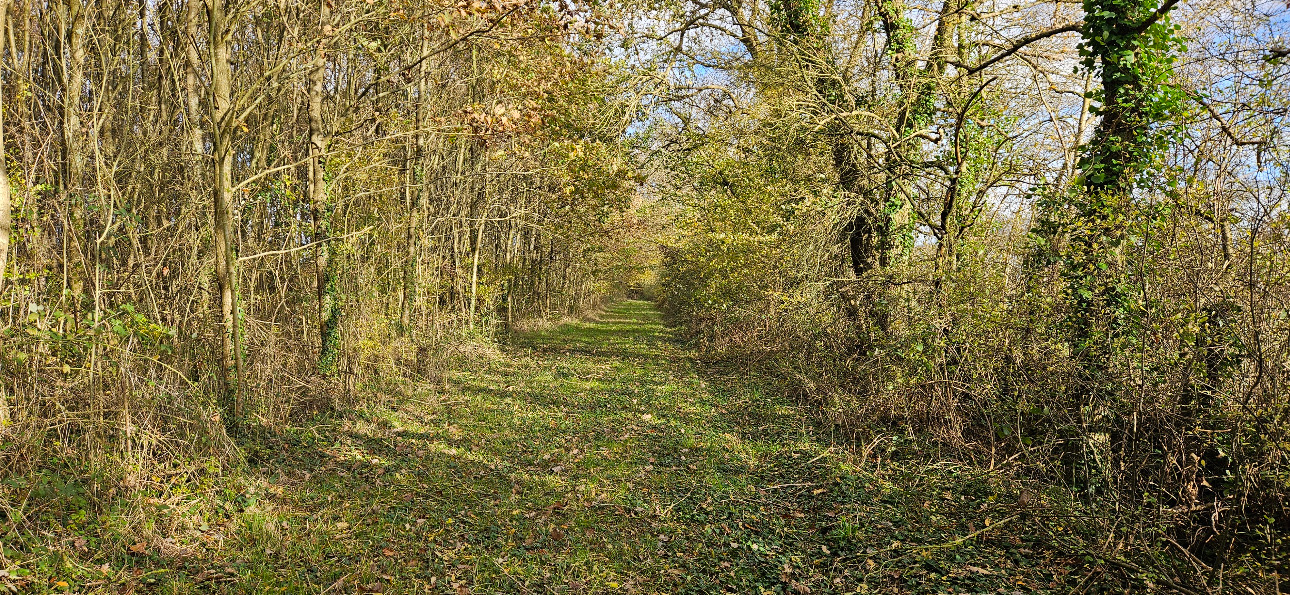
x=1227, y=130
x=303, y=246
x=1016, y=47
x=1155, y=17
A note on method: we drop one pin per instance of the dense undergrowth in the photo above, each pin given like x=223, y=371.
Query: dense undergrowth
x=1164, y=419
x=1079, y=271
x=219, y=219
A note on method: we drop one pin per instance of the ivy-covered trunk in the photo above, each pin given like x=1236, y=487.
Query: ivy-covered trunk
x=1130, y=45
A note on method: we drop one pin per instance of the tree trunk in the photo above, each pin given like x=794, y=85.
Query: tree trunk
x=409, y=264
x=191, y=91
x=329, y=310
x=71, y=16
x=416, y=196
x=232, y=358
x=6, y=220
x=474, y=268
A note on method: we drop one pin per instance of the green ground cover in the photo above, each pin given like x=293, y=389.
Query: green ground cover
x=597, y=457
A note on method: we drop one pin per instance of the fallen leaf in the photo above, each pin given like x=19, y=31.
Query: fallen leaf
x=139, y=548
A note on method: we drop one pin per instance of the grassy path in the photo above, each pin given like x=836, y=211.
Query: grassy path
x=593, y=458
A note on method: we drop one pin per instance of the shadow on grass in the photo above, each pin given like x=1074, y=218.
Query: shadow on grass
x=592, y=458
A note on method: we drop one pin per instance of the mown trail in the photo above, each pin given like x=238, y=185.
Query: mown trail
x=596, y=458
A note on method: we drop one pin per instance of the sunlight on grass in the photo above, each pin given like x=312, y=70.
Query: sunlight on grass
x=590, y=458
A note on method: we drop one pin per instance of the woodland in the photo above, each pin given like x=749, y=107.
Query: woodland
x=670, y=296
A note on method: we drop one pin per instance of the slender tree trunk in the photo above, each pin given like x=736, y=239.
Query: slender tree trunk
x=329, y=310
x=474, y=268
x=191, y=91
x=6, y=220
x=232, y=358
x=416, y=196
x=409, y=266
x=192, y=112
x=72, y=15
x=71, y=57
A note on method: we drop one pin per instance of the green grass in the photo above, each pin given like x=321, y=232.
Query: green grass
x=592, y=458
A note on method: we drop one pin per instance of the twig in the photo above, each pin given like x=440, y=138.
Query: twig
x=339, y=582
x=826, y=453
x=302, y=247
x=1138, y=570
x=1196, y=562
x=788, y=485
x=968, y=536
x=948, y=543
x=669, y=509
x=508, y=575
x=1222, y=124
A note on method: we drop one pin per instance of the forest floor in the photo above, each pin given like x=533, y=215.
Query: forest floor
x=597, y=457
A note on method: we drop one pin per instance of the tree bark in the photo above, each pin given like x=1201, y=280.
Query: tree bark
x=191, y=91
x=232, y=357
x=71, y=62
x=6, y=219
x=474, y=268
x=329, y=310
x=416, y=196
x=72, y=17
